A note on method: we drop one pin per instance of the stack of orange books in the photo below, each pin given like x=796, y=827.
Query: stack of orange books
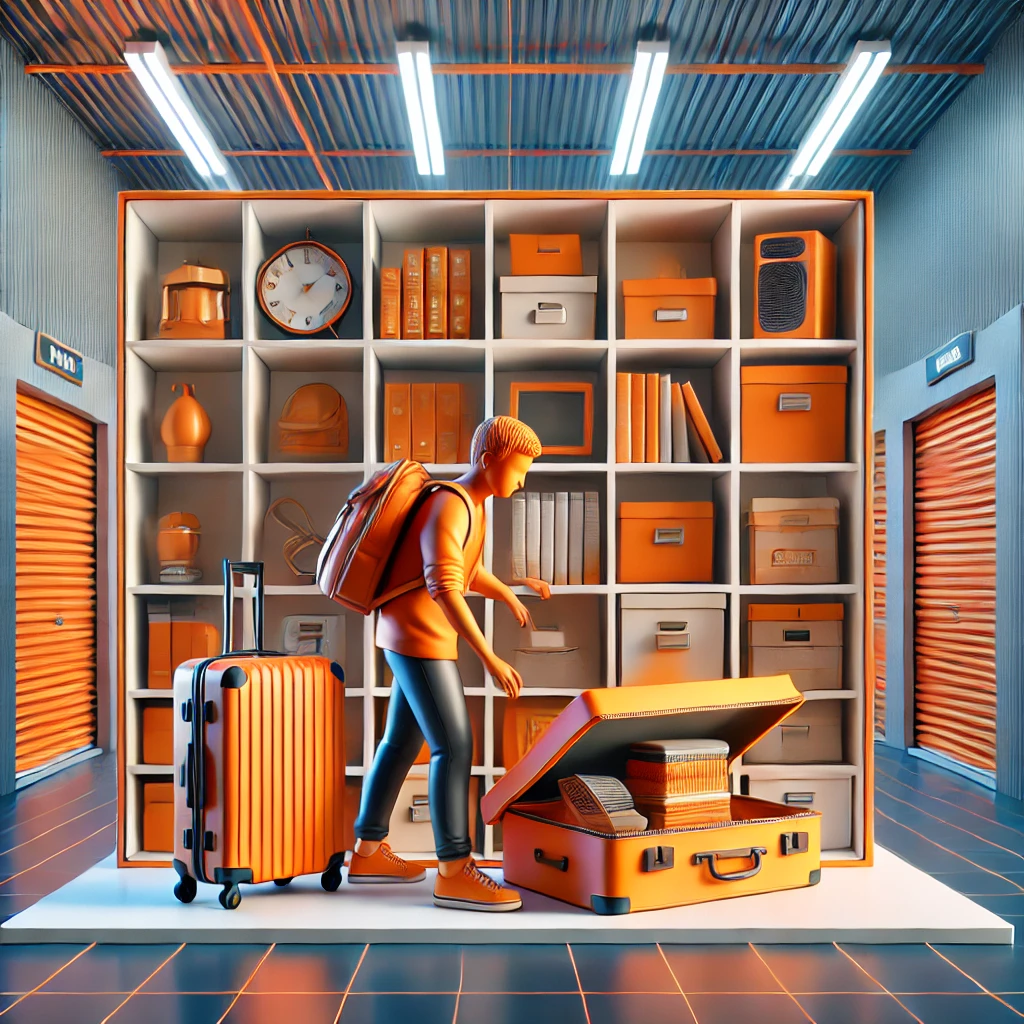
x=428, y=297
x=680, y=783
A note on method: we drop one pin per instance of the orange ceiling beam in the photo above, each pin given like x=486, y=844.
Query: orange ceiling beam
x=284, y=70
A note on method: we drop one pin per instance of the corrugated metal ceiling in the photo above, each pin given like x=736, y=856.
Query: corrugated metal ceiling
x=575, y=112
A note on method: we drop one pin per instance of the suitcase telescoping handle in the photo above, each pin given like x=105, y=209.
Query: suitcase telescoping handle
x=753, y=853
x=246, y=569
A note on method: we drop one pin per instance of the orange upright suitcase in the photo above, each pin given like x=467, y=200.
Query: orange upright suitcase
x=764, y=848
x=259, y=744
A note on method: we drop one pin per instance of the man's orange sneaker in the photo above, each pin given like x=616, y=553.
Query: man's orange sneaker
x=383, y=866
x=471, y=889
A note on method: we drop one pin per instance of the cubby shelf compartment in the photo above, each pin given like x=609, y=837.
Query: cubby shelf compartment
x=623, y=237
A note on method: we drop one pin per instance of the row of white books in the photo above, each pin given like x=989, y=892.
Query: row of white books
x=556, y=537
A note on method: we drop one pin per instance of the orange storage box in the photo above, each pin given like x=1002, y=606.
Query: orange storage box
x=793, y=540
x=174, y=641
x=793, y=413
x=670, y=307
x=666, y=541
x=158, y=817
x=157, y=734
x=765, y=847
x=540, y=255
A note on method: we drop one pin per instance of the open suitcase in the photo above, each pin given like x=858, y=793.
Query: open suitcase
x=764, y=848
x=260, y=746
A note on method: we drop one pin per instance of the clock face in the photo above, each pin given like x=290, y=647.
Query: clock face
x=304, y=287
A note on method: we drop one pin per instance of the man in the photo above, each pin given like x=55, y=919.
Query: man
x=419, y=632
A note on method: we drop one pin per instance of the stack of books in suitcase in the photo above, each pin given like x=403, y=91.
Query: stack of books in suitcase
x=680, y=783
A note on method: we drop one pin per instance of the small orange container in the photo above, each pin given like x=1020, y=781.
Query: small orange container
x=666, y=541
x=670, y=307
x=158, y=817
x=539, y=255
x=157, y=734
x=793, y=413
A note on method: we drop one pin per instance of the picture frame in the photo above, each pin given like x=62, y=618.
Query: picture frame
x=533, y=402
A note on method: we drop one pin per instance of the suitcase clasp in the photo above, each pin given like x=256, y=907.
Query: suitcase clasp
x=794, y=842
x=659, y=858
x=558, y=863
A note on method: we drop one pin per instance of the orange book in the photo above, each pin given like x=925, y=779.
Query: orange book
x=700, y=423
x=623, y=395
x=397, y=433
x=638, y=417
x=412, y=294
x=436, y=292
x=391, y=302
x=424, y=418
x=458, y=294
x=652, y=425
x=449, y=422
x=469, y=424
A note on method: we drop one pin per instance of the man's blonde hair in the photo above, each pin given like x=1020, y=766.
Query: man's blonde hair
x=503, y=436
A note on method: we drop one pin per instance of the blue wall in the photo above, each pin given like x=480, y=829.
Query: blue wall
x=58, y=218
x=950, y=224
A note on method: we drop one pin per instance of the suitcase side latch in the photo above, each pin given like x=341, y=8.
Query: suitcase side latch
x=794, y=842
x=659, y=858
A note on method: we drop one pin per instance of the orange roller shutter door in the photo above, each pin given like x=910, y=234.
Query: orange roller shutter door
x=878, y=556
x=955, y=581
x=55, y=588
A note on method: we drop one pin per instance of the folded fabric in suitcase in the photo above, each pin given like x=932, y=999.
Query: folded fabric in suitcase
x=763, y=847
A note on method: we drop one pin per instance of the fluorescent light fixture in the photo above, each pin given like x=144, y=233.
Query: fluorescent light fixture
x=421, y=106
x=866, y=63
x=149, y=62
x=642, y=98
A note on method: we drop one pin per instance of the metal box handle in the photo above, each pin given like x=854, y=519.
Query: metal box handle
x=669, y=535
x=800, y=799
x=549, y=313
x=794, y=401
x=663, y=315
x=672, y=636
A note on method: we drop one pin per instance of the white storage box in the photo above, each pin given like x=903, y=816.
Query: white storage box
x=686, y=632
x=548, y=308
x=833, y=797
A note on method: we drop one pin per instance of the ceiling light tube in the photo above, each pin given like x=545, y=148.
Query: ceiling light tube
x=421, y=106
x=641, y=100
x=149, y=62
x=866, y=63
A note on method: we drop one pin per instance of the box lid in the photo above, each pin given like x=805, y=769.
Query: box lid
x=594, y=732
x=787, y=375
x=793, y=512
x=676, y=601
x=671, y=286
x=549, y=283
x=795, y=612
x=666, y=510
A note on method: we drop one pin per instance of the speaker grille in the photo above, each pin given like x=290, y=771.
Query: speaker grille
x=782, y=248
x=781, y=296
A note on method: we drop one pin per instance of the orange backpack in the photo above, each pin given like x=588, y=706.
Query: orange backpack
x=357, y=554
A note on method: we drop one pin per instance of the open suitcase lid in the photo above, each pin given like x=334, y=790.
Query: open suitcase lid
x=593, y=734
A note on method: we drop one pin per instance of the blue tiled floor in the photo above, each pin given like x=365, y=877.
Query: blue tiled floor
x=941, y=823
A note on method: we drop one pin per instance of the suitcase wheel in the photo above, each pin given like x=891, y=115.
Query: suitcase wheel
x=185, y=889
x=230, y=897
x=281, y=881
x=331, y=878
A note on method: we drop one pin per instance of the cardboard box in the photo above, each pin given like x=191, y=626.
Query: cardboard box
x=158, y=817
x=812, y=735
x=793, y=540
x=803, y=640
x=549, y=308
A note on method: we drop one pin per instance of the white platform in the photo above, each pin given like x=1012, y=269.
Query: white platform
x=891, y=902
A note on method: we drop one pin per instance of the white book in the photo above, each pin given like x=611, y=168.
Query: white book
x=576, y=538
x=518, y=535
x=697, y=452
x=533, y=534
x=561, y=538
x=665, y=419
x=591, y=538
x=547, y=537
x=680, y=439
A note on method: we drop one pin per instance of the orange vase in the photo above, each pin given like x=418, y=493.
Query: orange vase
x=186, y=427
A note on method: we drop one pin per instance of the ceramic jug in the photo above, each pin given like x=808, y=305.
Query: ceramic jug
x=186, y=427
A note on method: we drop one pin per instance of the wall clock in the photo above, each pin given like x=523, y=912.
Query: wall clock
x=304, y=287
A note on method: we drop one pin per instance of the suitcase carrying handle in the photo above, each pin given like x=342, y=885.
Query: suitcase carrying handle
x=245, y=569
x=558, y=863
x=753, y=853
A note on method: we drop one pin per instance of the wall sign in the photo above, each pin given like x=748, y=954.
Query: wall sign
x=59, y=359
x=954, y=355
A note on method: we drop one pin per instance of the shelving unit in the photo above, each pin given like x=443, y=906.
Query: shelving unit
x=242, y=382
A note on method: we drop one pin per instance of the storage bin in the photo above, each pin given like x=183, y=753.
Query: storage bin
x=832, y=797
x=537, y=255
x=666, y=541
x=805, y=641
x=550, y=668
x=158, y=817
x=812, y=735
x=793, y=540
x=684, y=632
x=549, y=308
x=793, y=413
x=667, y=307
x=174, y=641
x=157, y=734
x=411, y=829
